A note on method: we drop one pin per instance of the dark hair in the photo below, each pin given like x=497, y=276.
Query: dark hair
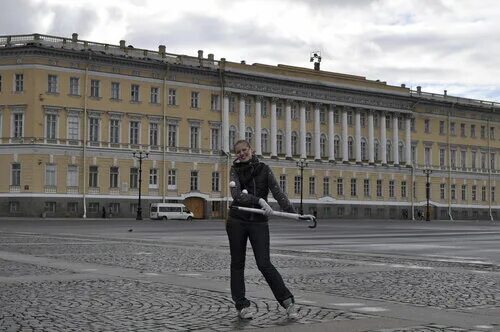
x=242, y=141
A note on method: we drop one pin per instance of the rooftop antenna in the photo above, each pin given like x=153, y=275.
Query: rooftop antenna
x=316, y=58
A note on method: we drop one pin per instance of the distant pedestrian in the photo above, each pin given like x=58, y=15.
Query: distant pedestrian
x=250, y=183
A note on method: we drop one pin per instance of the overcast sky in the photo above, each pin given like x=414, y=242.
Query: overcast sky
x=440, y=45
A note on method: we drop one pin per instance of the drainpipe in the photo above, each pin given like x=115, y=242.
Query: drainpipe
x=85, y=97
x=449, y=163
x=411, y=193
x=165, y=101
x=489, y=169
x=225, y=213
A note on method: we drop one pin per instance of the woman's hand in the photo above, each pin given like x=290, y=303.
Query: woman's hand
x=267, y=209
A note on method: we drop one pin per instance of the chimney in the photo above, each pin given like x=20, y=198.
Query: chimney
x=74, y=37
x=403, y=85
x=122, y=44
x=200, y=54
x=316, y=66
x=162, y=49
x=419, y=89
x=211, y=57
x=445, y=93
x=243, y=62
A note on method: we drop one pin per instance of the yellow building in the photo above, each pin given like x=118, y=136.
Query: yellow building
x=73, y=112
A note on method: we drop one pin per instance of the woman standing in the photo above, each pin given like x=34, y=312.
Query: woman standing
x=250, y=183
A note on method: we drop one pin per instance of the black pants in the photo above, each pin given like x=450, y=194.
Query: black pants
x=238, y=232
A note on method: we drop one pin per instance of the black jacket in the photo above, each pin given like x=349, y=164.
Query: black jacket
x=257, y=178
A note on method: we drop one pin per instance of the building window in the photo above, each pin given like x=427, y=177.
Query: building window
x=194, y=137
x=74, y=86
x=15, y=179
x=403, y=189
x=72, y=176
x=134, y=178
x=195, y=99
x=492, y=194
x=19, y=83
x=427, y=126
x=312, y=185
x=115, y=90
x=95, y=88
x=472, y=131
x=93, y=177
x=453, y=192
x=172, y=96
x=279, y=142
x=462, y=129
x=492, y=161
x=50, y=126
x=134, y=93
x=483, y=193
x=453, y=158
x=391, y=188
x=153, y=134
x=232, y=136
x=249, y=135
x=50, y=207
x=114, y=131
x=483, y=132
x=134, y=132
x=379, y=188
x=441, y=128
x=93, y=207
x=492, y=132
x=474, y=193
x=297, y=183
x=326, y=186
x=50, y=175
x=283, y=183
x=308, y=144
x=94, y=129
x=172, y=179
x=154, y=96
x=232, y=104
x=363, y=149
x=215, y=139
x=442, y=191
x=215, y=102
x=113, y=177
x=336, y=147
x=295, y=148
x=463, y=159
x=473, y=159
x=18, y=128
x=366, y=187
x=248, y=107
x=172, y=135
x=353, y=187
x=322, y=145
x=427, y=156
x=340, y=187
x=294, y=110
x=452, y=129
x=215, y=181
x=153, y=178
x=264, y=141
x=52, y=84
x=350, y=147
x=73, y=127
x=464, y=192
x=194, y=181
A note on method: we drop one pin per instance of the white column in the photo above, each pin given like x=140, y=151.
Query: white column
x=242, y=116
x=395, y=138
x=317, y=133
x=409, y=162
x=357, y=131
x=345, y=147
x=303, y=153
x=288, y=132
x=331, y=134
x=258, y=126
x=383, y=139
x=225, y=123
x=274, y=129
x=371, y=139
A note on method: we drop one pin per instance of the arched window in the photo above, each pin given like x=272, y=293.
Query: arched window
x=389, y=151
x=264, y=140
x=322, y=145
x=308, y=144
x=364, y=155
x=249, y=135
x=376, y=150
x=232, y=137
x=401, y=149
x=295, y=149
x=279, y=142
x=336, y=147
x=350, y=147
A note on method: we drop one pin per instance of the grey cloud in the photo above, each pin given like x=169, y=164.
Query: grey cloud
x=66, y=22
x=14, y=10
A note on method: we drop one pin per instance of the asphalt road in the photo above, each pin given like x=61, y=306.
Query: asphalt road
x=347, y=275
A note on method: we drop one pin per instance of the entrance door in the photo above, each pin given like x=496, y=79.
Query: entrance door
x=196, y=205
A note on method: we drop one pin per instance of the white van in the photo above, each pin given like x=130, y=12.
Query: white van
x=169, y=211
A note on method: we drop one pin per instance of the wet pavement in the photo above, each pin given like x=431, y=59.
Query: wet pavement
x=128, y=275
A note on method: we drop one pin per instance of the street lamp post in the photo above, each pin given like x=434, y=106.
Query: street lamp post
x=301, y=164
x=427, y=172
x=140, y=155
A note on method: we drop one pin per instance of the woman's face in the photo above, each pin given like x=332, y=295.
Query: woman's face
x=243, y=152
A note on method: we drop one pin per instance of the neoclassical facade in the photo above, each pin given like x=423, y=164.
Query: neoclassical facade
x=72, y=112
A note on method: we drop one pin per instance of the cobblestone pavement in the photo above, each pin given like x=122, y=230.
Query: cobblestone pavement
x=63, y=282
